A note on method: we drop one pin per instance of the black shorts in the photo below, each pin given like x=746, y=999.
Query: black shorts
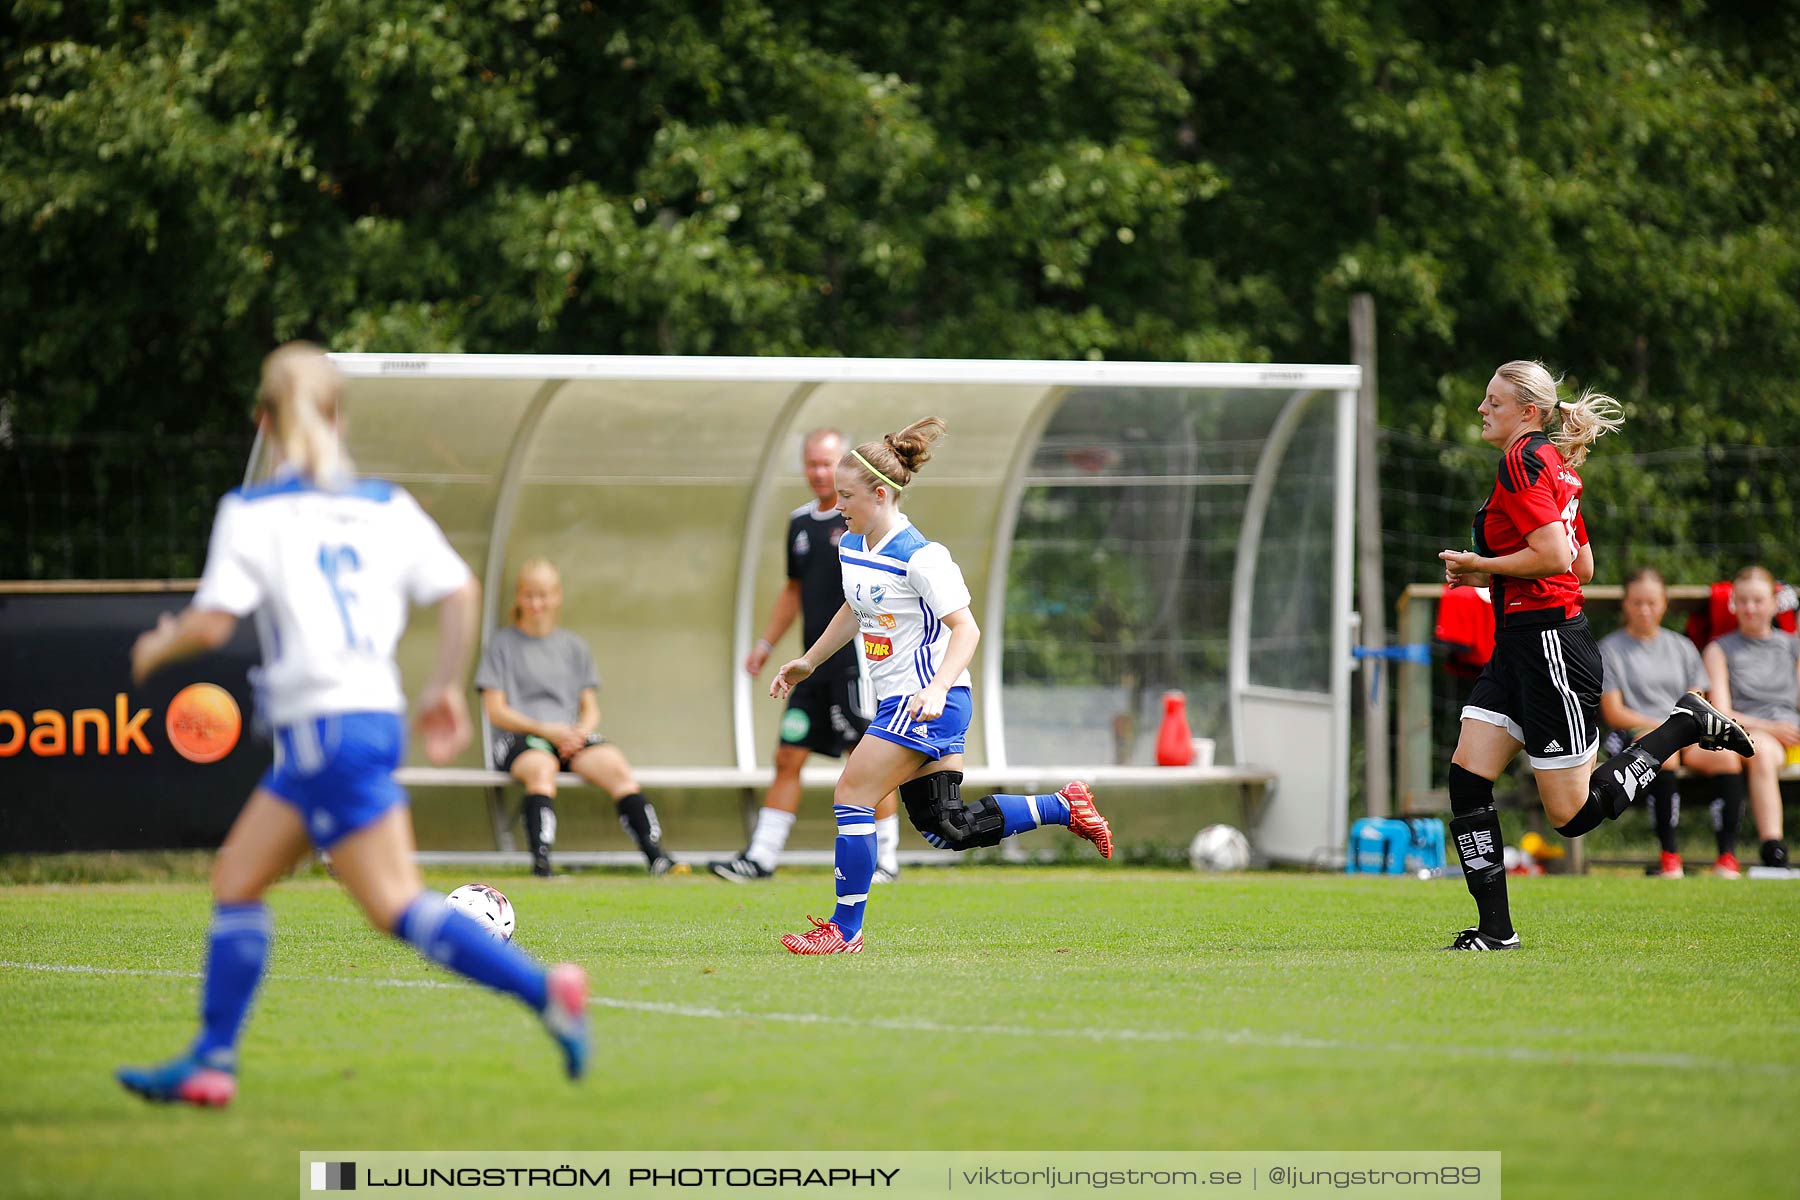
x=1543, y=687
x=508, y=746
x=827, y=716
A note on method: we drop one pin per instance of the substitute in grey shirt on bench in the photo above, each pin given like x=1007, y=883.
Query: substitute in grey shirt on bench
x=540, y=689
x=1647, y=668
x=1755, y=675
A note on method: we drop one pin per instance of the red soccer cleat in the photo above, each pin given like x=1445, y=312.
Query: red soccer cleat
x=1670, y=866
x=1727, y=867
x=1085, y=820
x=823, y=938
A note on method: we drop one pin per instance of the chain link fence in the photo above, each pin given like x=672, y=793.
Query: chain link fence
x=112, y=506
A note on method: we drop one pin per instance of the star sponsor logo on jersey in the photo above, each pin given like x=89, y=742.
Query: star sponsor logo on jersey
x=886, y=620
x=877, y=648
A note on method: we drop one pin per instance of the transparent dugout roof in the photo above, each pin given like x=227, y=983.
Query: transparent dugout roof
x=1097, y=511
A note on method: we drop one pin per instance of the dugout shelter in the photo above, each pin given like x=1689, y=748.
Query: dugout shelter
x=1123, y=527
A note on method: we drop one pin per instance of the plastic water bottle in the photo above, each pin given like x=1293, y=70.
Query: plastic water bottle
x=1175, y=741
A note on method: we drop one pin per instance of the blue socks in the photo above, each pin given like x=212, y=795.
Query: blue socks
x=855, y=866
x=453, y=940
x=237, y=951
x=1028, y=812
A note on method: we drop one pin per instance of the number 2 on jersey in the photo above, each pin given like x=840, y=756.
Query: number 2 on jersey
x=337, y=562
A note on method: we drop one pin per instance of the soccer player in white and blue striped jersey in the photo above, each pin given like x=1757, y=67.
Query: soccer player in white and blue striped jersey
x=907, y=605
x=328, y=564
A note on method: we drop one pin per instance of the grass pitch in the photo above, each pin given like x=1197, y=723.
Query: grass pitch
x=1645, y=1042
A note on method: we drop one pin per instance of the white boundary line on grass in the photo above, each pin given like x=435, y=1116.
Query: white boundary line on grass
x=1220, y=1037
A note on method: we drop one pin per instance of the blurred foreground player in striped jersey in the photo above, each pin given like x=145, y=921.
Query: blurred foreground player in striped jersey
x=328, y=564
x=907, y=607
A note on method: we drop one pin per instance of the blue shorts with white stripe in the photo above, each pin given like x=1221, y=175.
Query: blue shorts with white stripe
x=339, y=771
x=936, y=738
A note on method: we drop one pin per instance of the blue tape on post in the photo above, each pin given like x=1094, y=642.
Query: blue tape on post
x=1407, y=652
x=1412, y=652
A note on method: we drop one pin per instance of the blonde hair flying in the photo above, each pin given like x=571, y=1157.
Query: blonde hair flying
x=1573, y=425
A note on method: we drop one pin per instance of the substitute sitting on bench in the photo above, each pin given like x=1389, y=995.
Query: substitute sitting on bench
x=540, y=688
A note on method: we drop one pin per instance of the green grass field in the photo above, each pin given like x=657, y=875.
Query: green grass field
x=1645, y=1042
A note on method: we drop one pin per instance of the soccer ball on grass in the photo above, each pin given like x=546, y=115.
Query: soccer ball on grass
x=1219, y=848
x=487, y=906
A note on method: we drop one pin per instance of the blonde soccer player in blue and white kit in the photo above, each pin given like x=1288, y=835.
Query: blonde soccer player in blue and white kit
x=907, y=605
x=328, y=563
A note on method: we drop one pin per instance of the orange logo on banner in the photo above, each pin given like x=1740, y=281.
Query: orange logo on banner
x=887, y=620
x=203, y=722
x=876, y=647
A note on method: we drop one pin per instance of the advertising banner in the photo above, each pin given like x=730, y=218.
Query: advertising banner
x=89, y=762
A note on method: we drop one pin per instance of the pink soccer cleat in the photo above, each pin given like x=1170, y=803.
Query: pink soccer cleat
x=823, y=938
x=565, y=1015
x=1085, y=820
x=184, y=1080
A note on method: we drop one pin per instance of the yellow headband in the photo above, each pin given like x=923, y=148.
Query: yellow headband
x=857, y=455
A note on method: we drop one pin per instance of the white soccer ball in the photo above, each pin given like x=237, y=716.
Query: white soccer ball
x=487, y=906
x=1219, y=848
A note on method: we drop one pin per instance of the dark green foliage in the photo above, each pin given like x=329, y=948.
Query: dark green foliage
x=1610, y=187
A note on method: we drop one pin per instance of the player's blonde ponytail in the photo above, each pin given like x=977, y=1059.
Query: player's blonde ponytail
x=1573, y=425
x=300, y=394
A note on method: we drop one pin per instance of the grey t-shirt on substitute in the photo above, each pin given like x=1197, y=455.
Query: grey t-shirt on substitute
x=1763, y=679
x=542, y=677
x=1651, y=676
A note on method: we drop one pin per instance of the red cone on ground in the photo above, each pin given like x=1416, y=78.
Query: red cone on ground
x=1174, y=742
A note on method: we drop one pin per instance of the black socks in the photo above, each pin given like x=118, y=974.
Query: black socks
x=540, y=829
x=1475, y=827
x=1728, y=811
x=1666, y=808
x=639, y=820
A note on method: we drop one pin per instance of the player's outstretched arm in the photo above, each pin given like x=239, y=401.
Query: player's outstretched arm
x=443, y=713
x=195, y=631
x=842, y=628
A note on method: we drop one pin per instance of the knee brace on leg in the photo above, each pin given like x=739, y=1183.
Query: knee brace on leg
x=936, y=808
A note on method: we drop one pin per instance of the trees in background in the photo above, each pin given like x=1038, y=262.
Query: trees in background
x=1608, y=186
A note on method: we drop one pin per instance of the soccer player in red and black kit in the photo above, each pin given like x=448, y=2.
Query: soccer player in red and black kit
x=1541, y=690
